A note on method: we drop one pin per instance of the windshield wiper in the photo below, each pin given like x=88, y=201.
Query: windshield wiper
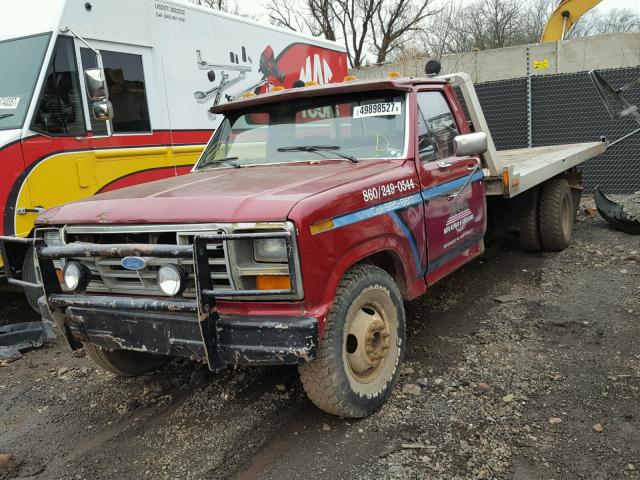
x=223, y=161
x=318, y=148
x=5, y=115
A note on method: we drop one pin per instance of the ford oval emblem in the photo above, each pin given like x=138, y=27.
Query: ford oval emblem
x=133, y=263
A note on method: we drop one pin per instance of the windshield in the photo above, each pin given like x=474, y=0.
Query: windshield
x=21, y=61
x=360, y=126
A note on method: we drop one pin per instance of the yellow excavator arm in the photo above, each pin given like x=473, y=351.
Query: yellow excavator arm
x=564, y=17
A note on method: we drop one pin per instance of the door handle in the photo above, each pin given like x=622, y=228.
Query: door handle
x=472, y=170
x=24, y=211
x=443, y=164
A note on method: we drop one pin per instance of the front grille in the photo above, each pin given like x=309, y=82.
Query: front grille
x=109, y=276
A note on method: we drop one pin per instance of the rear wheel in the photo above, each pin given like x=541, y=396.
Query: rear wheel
x=362, y=347
x=557, y=214
x=528, y=221
x=125, y=363
x=29, y=274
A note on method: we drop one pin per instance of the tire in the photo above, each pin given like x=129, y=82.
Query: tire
x=528, y=221
x=125, y=363
x=29, y=274
x=557, y=214
x=347, y=379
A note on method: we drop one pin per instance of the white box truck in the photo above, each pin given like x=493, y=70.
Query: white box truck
x=166, y=63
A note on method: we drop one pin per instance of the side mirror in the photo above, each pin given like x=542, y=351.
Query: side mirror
x=94, y=80
x=470, y=144
x=102, y=110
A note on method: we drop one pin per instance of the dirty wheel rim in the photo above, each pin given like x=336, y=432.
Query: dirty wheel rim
x=370, y=342
x=567, y=221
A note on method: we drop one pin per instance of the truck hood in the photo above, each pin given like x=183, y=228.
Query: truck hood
x=256, y=193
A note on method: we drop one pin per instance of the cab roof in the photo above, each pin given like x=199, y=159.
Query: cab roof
x=400, y=84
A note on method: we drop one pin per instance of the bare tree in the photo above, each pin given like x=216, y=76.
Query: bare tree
x=354, y=18
x=535, y=18
x=217, y=4
x=314, y=16
x=615, y=20
x=393, y=22
x=493, y=23
x=285, y=16
x=323, y=19
x=442, y=33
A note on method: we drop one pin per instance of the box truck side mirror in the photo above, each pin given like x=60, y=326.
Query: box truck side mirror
x=102, y=110
x=470, y=144
x=94, y=80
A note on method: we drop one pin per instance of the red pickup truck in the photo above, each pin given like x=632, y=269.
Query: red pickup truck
x=311, y=215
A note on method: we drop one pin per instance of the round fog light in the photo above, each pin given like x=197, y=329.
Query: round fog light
x=76, y=276
x=172, y=280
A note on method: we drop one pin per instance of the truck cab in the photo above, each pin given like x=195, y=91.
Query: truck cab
x=311, y=215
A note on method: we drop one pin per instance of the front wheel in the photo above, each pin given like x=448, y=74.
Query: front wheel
x=362, y=347
x=125, y=363
x=29, y=274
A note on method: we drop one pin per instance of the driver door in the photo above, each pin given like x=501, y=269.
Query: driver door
x=453, y=189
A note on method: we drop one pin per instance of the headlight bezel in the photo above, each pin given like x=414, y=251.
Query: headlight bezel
x=245, y=268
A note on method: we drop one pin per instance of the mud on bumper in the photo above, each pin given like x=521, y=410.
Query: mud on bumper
x=239, y=340
x=173, y=326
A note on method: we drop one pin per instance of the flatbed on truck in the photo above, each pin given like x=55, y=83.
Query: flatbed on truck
x=311, y=215
x=510, y=172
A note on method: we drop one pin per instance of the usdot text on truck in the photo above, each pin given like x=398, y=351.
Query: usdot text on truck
x=66, y=135
x=311, y=215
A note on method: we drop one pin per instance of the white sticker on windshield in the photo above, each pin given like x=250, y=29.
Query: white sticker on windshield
x=9, y=103
x=377, y=109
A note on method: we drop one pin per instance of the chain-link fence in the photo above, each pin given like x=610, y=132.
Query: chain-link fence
x=566, y=109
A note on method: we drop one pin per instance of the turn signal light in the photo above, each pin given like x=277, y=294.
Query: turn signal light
x=350, y=78
x=505, y=180
x=273, y=282
x=321, y=226
x=394, y=75
x=310, y=83
x=277, y=88
x=60, y=275
x=248, y=94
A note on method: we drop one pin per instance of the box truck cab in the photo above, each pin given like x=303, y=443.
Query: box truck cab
x=99, y=95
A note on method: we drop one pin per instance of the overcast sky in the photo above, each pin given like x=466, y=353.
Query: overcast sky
x=257, y=6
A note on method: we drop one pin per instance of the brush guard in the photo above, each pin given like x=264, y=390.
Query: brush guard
x=196, y=327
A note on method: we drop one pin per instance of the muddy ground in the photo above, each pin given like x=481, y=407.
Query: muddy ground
x=543, y=385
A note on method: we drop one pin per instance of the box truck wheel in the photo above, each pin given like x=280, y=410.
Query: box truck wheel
x=362, y=346
x=29, y=274
x=557, y=214
x=125, y=363
x=528, y=221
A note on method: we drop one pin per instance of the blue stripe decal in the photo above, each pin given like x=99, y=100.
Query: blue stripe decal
x=376, y=210
x=404, y=202
x=414, y=249
x=453, y=253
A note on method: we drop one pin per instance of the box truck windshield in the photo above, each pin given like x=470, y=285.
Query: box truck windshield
x=21, y=61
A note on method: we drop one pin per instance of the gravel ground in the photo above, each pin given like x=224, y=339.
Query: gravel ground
x=520, y=366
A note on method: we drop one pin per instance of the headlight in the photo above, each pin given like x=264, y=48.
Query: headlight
x=76, y=276
x=172, y=280
x=52, y=238
x=270, y=250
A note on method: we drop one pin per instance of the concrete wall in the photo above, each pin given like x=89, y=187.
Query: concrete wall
x=616, y=50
